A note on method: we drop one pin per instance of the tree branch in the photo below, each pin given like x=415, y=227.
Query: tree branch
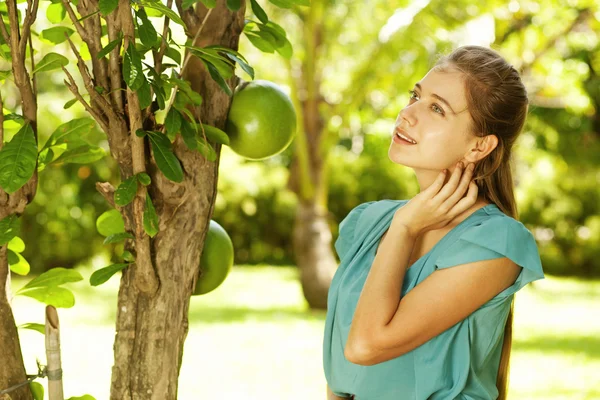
x=30, y=16
x=89, y=84
x=188, y=16
x=4, y=32
x=146, y=279
x=158, y=56
x=73, y=88
x=108, y=192
x=78, y=26
x=114, y=27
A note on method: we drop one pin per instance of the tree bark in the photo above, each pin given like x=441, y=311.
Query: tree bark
x=151, y=328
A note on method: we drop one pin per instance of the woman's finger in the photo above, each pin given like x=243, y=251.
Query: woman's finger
x=449, y=187
x=435, y=187
x=462, y=187
x=468, y=200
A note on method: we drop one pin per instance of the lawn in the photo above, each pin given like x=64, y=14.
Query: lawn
x=254, y=338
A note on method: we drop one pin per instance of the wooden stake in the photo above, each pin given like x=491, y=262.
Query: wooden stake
x=54, y=368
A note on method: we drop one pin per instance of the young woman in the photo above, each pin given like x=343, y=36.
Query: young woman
x=420, y=307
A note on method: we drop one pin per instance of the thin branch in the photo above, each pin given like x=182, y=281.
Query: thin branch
x=80, y=29
x=114, y=25
x=158, y=57
x=30, y=16
x=1, y=120
x=33, y=77
x=185, y=64
x=89, y=84
x=188, y=15
x=108, y=192
x=5, y=34
x=74, y=89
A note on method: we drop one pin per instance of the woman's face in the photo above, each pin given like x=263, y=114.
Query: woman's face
x=437, y=118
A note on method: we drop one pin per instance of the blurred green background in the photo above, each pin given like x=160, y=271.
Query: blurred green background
x=372, y=53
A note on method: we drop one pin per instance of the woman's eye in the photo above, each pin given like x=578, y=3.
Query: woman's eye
x=413, y=95
x=437, y=109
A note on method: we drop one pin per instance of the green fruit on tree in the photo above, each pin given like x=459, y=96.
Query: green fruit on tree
x=261, y=121
x=216, y=260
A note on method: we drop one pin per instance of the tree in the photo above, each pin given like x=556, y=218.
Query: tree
x=168, y=168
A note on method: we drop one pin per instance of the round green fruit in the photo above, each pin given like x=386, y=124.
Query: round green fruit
x=261, y=121
x=216, y=260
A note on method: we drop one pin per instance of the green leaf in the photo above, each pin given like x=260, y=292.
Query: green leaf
x=69, y=131
x=21, y=267
x=37, y=390
x=214, y=73
x=45, y=157
x=132, y=68
x=188, y=133
x=283, y=3
x=286, y=50
x=157, y=5
x=56, y=34
x=17, y=160
x=243, y=64
x=53, y=277
x=104, y=274
x=150, y=218
x=52, y=295
x=81, y=155
x=144, y=178
x=259, y=12
x=125, y=193
x=140, y=133
x=233, y=5
x=214, y=134
x=16, y=244
x=5, y=74
x=167, y=162
x=263, y=45
x=118, y=237
x=110, y=223
x=223, y=64
x=127, y=256
x=146, y=30
x=56, y=13
x=207, y=150
x=9, y=228
x=173, y=53
x=84, y=397
x=13, y=257
x=51, y=61
x=209, y=3
x=109, y=47
x=107, y=6
x=173, y=121
x=188, y=3
x=144, y=94
x=69, y=104
x=41, y=328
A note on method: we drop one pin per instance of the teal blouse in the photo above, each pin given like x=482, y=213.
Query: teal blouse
x=461, y=362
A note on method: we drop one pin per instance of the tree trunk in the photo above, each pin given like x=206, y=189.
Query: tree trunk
x=151, y=329
x=312, y=237
x=312, y=248
x=12, y=370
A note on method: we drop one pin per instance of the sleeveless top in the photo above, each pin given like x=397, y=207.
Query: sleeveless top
x=461, y=362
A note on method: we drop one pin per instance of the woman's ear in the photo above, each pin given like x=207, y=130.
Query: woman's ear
x=482, y=146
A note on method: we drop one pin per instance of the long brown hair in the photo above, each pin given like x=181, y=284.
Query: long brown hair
x=498, y=104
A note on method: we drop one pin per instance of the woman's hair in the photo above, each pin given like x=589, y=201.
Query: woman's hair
x=498, y=104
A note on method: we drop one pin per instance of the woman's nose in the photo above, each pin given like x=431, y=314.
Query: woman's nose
x=408, y=114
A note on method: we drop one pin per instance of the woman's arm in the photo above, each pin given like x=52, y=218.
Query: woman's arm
x=331, y=396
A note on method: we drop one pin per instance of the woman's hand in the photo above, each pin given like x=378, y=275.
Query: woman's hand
x=437, y=205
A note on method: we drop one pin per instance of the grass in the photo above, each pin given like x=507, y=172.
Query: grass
x=255, y=338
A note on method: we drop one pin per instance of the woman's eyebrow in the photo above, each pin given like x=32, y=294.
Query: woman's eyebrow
x=440, y=98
